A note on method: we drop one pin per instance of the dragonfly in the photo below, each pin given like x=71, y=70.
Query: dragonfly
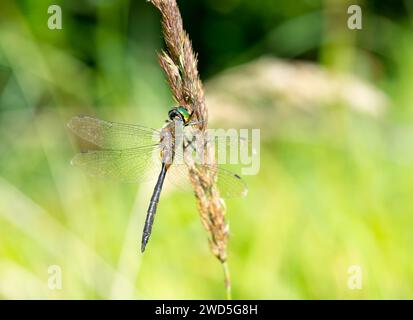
x=134, y=153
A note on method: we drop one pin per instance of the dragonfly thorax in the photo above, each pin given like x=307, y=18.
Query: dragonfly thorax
x=171, y=138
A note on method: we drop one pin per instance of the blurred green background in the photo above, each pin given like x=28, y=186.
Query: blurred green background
x=335, y=187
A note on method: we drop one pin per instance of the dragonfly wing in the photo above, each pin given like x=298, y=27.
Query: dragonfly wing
x=230, y=185
x=178, y=176
x=111, y=135
x=226, y=148
x=129, y=165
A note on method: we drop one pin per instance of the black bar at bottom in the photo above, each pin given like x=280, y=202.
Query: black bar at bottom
x=195, y=309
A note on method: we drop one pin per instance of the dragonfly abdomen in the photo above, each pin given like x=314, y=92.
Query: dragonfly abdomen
x=150, y=217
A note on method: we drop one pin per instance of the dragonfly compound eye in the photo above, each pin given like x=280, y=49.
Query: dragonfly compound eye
x=172, y=114
x=180, y=113
x=185, y=116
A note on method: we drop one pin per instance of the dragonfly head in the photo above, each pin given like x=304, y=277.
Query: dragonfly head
x=180, y=113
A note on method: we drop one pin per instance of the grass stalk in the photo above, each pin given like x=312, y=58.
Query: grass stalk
x=179, y=63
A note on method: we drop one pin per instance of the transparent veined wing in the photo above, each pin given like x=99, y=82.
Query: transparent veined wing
x=129, y=165
x=111, y=135
x=230, y=185
x=131, y=154
x=229, y=141
x=217, y=139
x=227, y=149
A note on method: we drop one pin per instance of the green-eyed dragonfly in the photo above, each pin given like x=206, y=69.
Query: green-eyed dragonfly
x=133, y=153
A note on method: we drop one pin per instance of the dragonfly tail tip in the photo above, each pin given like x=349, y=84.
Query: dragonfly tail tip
x=143, y=246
